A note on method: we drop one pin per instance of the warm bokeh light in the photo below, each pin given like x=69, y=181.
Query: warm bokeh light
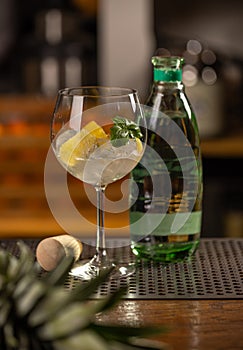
x=194, y=47
x=209, y=75
x=190, y=75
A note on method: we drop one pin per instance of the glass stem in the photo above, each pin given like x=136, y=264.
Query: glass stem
x=101, y=253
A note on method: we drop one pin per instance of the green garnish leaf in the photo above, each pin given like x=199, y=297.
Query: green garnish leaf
x=123, y=130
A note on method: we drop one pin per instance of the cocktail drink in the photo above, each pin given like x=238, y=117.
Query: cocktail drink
x=91, y=156
x=98, y=135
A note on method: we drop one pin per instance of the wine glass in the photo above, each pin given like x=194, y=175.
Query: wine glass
x=98, y=135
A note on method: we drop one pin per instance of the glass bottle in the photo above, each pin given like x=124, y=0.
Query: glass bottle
x=166, y=187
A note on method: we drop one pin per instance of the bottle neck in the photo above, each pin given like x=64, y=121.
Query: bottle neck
x=167, y=76
x=167, y=69
x=162, y=85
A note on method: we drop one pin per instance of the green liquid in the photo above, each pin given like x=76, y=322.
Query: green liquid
x=152, y=199
x=166, y=252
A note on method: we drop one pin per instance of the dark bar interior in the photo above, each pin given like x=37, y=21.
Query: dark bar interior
x=47, y=45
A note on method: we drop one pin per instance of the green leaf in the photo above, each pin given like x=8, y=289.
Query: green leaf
x=87, y=340
x=145, y=344
x=9, y=336
x=123, y=130
x=54, y=302
x=113, y=299
x=124, y=333
x=57, y=298
x=38, y=313
x=84, y=291
x=5, y=308
x=4, y=262
x=72, y=319
x=59, y=275
x=26, y=259
x=30, y=298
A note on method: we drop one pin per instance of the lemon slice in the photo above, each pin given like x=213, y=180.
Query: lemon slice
x=95, y=130
x=82, y=143
x=139, y=145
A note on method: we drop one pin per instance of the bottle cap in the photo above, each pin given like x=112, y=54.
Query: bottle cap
x=168, y=69
x=167, y=75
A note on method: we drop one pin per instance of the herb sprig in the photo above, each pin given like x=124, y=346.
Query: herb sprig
x=123, y=130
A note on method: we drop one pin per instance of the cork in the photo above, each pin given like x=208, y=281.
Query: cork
x=51, y=250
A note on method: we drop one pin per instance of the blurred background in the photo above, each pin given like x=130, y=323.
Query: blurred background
x=47, y=45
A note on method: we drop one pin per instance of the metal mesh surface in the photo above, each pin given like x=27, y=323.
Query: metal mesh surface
x=215, y=272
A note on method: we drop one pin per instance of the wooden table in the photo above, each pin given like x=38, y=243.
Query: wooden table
x=193, y=323
x=196, y=323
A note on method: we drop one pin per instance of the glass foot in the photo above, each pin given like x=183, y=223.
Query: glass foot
x=86, y=270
